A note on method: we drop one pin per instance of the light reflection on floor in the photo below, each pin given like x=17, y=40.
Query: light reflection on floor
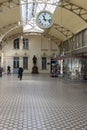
x=40, y=102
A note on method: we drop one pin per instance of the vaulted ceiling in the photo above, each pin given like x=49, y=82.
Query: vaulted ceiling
x=70, y=17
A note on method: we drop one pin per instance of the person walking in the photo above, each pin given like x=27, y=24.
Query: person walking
x=20, y=73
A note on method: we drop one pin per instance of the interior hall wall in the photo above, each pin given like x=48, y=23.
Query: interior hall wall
x=38, y=46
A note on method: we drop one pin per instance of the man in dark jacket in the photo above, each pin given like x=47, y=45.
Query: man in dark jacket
x=20, y=73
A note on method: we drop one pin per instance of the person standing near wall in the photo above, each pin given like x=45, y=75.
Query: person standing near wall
x=8, y=70
x=20, y=73
x=0, y=71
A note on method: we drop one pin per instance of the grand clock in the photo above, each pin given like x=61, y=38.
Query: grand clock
x=44, y=19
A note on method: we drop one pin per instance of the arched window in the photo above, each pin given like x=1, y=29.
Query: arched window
x=25, y=43
x=44, y=62
x=16, y=43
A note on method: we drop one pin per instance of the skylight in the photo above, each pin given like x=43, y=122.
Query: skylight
x=30, y=9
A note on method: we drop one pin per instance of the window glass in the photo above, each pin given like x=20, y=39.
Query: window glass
x=25, y=43
x=44, y=63
x=25, y=62
x=77, y=41
x=16, y=43
x=84, y=37
x=80, y=39
x=16, y=62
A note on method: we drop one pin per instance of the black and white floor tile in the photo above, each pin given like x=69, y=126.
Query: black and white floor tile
x=42, y=103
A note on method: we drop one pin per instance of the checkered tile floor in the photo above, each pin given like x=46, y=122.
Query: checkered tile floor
x=40, y=102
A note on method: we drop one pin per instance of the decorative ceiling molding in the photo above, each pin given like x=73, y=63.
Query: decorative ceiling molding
x=6, y=34
x=7, y=27
x=5, y=30
x=9, y=3
x=66, y=4
x=12, y=37
x=66, y=32
x=77, y=10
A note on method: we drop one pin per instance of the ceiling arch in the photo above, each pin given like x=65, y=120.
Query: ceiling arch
x=66, y=32
x=76, y=9
x=70, y=17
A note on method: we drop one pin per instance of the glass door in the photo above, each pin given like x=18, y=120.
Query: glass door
x=15, y=65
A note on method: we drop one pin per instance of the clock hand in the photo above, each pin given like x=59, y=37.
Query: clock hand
x=44, y=18
x=50, y=20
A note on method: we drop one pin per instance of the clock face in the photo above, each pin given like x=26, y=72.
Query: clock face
x=44, y=19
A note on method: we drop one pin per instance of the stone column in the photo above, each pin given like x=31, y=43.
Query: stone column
x=2, y=60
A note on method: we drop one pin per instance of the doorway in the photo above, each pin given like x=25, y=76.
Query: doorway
x=15, y=65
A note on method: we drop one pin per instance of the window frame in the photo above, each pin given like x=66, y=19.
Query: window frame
x=44, y=68
x=16, y=43
x=25, y=63
x=25, y=43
